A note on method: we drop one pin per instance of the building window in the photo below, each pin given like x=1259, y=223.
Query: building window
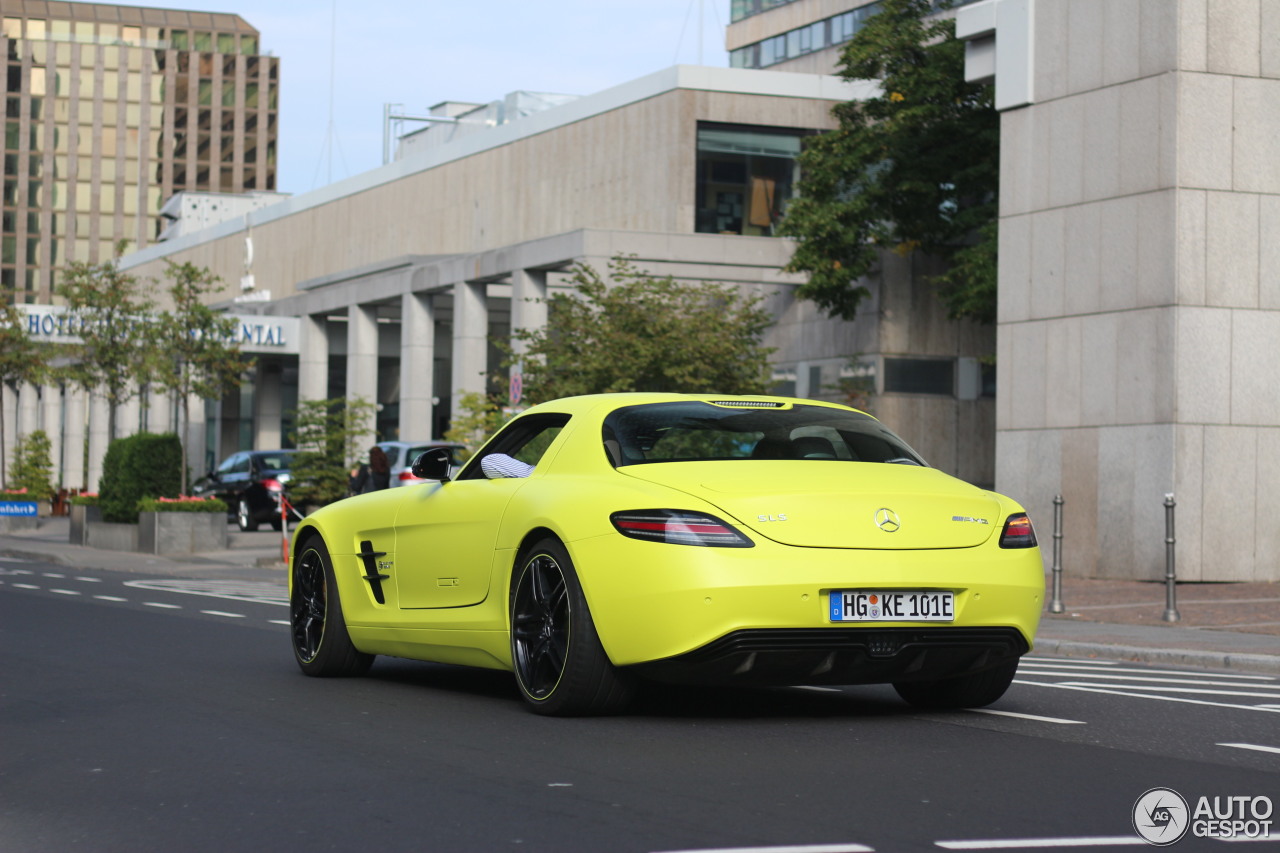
x=920, y=376
x=745, y=176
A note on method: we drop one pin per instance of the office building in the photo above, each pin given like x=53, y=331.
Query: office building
x=110, y=111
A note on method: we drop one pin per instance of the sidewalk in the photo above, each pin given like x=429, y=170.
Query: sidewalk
x=1222, y=625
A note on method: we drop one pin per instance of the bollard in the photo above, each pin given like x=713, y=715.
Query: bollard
x=1055, y=602
x=1170, y=571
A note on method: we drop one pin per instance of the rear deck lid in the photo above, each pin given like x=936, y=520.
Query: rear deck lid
x=837, y=504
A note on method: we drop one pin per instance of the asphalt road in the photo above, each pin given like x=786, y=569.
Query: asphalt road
x=144, y=713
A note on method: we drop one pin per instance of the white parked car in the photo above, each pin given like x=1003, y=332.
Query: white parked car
x=402, y=453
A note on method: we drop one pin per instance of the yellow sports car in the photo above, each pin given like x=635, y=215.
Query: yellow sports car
x=596, y=542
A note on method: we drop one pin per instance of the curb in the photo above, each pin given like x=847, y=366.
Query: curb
x=34, y=556
x=1264, y=664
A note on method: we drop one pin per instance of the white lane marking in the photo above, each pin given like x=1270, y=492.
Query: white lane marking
x=801, y=848
x=1031, y=659
x=1201, y=682
x=52, y=575
x=222, y=613
x=1253, y=746
x=1181, y=672
x=25, y=586
x=1234, y=626
x=1154, y=688
x=89, y=580
x=161, y=605
x=278, y=621
x=818, y=688
x=1038, y=719
x=13, y=560
x=263, y=592
x=1037, y=843
x=1271, y=708
x=110, y=598
x=65, y=591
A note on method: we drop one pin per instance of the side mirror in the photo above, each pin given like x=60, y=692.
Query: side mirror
x=432, y=465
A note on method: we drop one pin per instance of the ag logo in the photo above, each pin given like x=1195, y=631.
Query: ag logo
x=1160, y=817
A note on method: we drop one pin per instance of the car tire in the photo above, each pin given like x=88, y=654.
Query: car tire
x=560, y=666
x=966, y=691
x=321, y=644
x=244, y=517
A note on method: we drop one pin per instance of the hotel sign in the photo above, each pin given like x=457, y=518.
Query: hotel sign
x=253, y=332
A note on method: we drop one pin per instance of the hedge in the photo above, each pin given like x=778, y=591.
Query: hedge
x=140, y=466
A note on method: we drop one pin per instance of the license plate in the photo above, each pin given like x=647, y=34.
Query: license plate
x=902, y=606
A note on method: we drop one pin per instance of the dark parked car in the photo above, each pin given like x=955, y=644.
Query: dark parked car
x=252, y=483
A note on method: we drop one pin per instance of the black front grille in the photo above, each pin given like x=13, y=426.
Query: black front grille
x=840, y=656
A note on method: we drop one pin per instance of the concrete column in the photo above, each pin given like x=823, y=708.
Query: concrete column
x=313, y=359
x=417, y=365
x=99, y=414
x=51, y=411
x=362, y=358
x=528, y=302
x=159, y=415
x=268, y=412
x=470, y=340
x=73, y=473
x=28, y=409
x=197, y=439
x=228, y=425
x=10, y=402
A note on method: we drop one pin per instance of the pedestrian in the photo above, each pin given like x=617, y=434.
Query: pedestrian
x=373, y=475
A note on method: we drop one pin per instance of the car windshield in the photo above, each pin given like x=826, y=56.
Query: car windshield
x=697, y=431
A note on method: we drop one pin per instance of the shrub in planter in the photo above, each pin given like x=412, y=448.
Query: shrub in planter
x=182, y=504
x=32, y=470
x=139, y=466
x=86, y=499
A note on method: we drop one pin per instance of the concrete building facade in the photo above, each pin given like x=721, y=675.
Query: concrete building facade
x=1140, y=276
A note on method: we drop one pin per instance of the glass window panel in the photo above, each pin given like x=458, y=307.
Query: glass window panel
x=133, y=35
x=179, y=40
x=203, y=41
x=133, y=59
x=9, y=250
x=131, y=171
x=9, y=222
x=226, y=43
x=84, y=113
x=58, y=28
x=107, y=200
x=82, y=224
x=248, y=45
x=84, y=142
x=36, y=83
x=111, y=57
x=109, y=114
x=111, y=85
x=35, y=28
x=88, y=54
x=84, y=201
x=133, y=115
x=40, y=53
x=133, y=87
x=35, y=193
x=919, y=376
x=108, y=170
x=205, y=97
x=13, y=28
x=228, y=94
x=33, y=251
x=86, y=82
x=84, y=29
x=130, y=202
x=109, y=32
x=33, y=222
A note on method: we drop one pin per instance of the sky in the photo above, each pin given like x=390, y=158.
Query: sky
x=341, y=60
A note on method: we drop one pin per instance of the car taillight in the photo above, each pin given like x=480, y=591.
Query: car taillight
x=677, y=527
x=271, y=484
x=406, y=476
x=1018, y=532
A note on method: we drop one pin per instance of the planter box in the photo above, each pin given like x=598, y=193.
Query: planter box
x=81, y=517
x=181, y=532
x=111, y=537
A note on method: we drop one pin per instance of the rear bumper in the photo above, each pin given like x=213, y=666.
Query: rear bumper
x=685, y=607
x=776, y=657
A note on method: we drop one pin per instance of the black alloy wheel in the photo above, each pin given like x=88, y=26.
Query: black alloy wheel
x=321, y=644
x=560, y=666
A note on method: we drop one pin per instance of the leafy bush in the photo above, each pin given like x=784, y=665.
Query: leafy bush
x=331, y=436
x=83, y=500
x=182, y=505
x=140, y=466
x=32, y=467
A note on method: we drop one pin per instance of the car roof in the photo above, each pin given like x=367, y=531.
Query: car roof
x=604, y=403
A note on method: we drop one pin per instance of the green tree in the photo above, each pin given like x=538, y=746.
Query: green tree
x=331, y=436
x=479, y=417
x=22, y=359
x=645, y=333
x=117, y=350
x=33, y=465
x=195, y=352
x=913, y=169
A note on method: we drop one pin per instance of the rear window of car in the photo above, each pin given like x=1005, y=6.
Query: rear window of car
x=275, y=461
x=698, y=431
